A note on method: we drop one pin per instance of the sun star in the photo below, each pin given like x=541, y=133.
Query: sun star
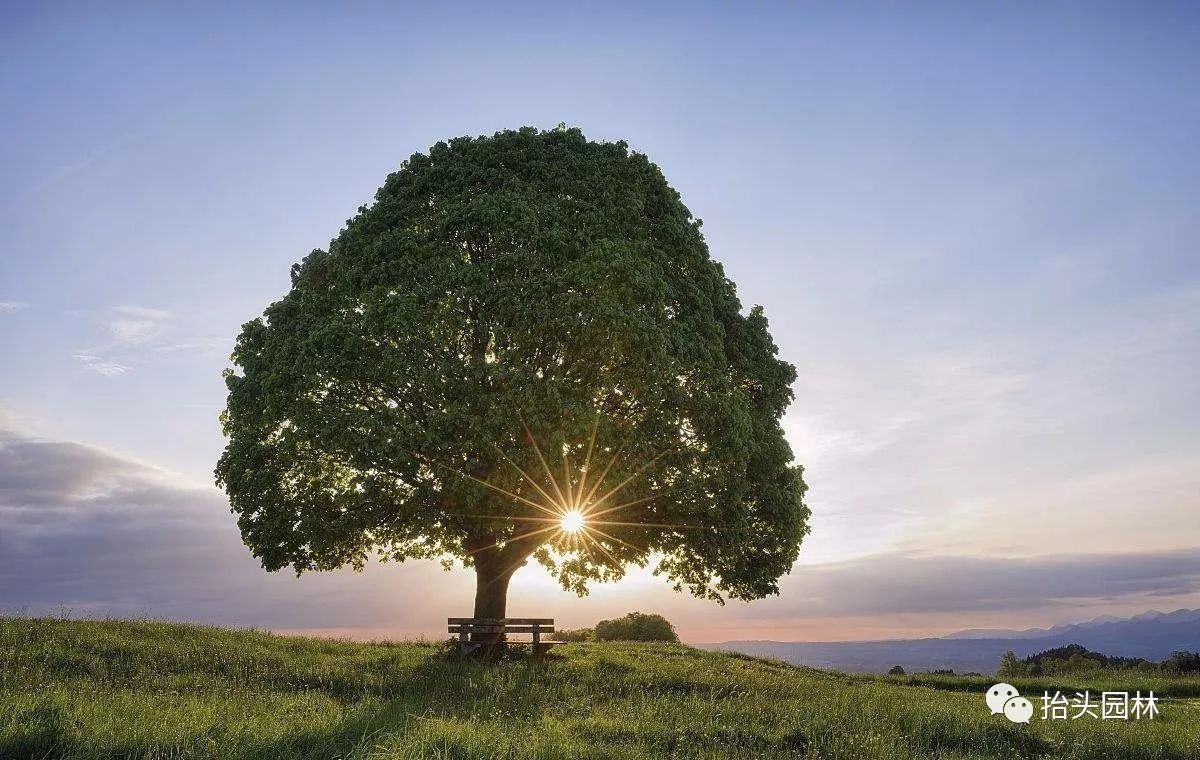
x=572, y=522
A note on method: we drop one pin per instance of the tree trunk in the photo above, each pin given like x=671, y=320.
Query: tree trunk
x=494, y=568
x=491, y=593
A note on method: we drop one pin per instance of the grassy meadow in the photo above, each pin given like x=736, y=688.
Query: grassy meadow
x=111, y=689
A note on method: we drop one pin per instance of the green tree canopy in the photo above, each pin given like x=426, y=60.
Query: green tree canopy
x=520, y=326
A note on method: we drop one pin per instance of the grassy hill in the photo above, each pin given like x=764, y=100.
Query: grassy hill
x=157, y=690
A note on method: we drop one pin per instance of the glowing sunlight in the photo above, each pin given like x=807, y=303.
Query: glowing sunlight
x=572, y=522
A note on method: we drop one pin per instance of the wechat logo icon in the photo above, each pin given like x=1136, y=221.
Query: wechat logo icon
x=1004, y=698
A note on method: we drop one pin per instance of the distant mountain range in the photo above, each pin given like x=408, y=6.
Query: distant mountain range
x=1152, y=635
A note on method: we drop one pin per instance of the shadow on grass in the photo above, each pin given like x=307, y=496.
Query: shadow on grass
x=46, y=737
x=442, y=687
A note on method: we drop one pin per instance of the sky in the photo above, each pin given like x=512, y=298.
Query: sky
x=973, y=228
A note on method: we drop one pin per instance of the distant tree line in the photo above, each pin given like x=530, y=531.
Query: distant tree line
x=1075, y=658
x=636, y=626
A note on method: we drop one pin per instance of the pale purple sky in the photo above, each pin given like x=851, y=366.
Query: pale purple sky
x=974, y=229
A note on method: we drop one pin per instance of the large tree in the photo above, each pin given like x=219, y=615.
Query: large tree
x=521, y=349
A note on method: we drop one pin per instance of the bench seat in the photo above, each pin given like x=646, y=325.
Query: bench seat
x=537, y=627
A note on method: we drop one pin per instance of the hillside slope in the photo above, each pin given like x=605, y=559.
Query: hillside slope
x=156, y=690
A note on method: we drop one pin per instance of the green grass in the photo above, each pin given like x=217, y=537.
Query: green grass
x=157, y=690
x=1162, y=685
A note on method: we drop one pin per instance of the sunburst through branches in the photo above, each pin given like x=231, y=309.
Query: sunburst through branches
x=574, y=505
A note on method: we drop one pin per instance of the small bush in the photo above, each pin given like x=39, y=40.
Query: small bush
x=1182, y=663
x=896, y=670
x=636, y=626
x=572, y=634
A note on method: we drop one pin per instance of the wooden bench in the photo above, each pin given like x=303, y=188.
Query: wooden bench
x=464, y=627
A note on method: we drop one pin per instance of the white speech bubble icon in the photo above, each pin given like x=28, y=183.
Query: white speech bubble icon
x=998, y=695
x=1018, y=710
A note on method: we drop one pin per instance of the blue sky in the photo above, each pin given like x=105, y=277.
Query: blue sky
x=973, y=228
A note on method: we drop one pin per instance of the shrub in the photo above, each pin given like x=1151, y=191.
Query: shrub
x=1010, y=666
x=896, y=670
x=573, y=634
x=1182, y=663
x=636, y=626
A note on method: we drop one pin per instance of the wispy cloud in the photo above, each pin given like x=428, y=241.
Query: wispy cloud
x=920, y=447
x=143, y=312
x=136, y=324
x=131, y=331
x=210, y=346
x=10, y=307
x=83, y=163
x=102, y=366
